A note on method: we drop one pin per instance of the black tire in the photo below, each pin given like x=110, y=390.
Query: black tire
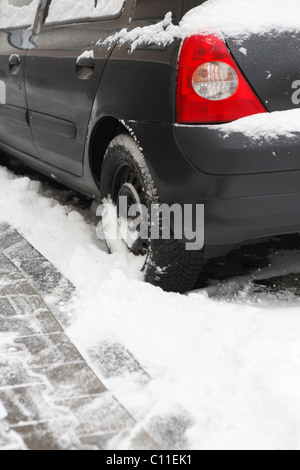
x=168, y=264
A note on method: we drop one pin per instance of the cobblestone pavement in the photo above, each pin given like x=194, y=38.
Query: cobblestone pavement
x=49, y=397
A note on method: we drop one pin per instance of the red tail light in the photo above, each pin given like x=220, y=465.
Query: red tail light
x=211, y=87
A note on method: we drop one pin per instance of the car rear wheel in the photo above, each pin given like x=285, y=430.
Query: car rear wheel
x=167, y=263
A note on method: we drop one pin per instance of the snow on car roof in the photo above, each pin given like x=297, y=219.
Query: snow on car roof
x=12, y=15
x=229, y=18
x=67, y=10
x=242, y=17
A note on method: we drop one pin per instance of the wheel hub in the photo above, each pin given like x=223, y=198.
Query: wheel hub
x=128, y=198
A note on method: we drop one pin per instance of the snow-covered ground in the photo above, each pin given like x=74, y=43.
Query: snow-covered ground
x=226, y=357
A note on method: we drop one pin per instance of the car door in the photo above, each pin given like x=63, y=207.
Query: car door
x=63, y=72
x=16, y=29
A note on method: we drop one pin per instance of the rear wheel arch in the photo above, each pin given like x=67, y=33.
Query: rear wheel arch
x=104, y=132
x=168, y=263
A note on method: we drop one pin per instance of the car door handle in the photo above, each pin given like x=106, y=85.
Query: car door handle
x=14, y=64
x=85, y=67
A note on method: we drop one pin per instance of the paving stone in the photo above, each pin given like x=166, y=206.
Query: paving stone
x=104, y=441
x=45, y=350
x=8, y=277
x=103, y=414
x=9, y=238
x=169, y=430
x=48, y=324
x=6, y=309
x=17, y=288
x=52, y=400
x=9, y=349
x=35, y=309
x=72, y=380
x=114, y=360
x=117, y=440
x=65, y=317
x=21, y=250
x=9, y=439
x=4, y=226
x=28, y=305
x=6, y=266
x=142, y=441
x=25, y=404
x=14, y=374
x=45, y=278
x=21, y=326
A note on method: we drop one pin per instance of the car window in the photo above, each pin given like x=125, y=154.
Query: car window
x=67, y=10
x=17, y=13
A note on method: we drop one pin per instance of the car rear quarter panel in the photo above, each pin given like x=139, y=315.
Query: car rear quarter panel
x=141, y=85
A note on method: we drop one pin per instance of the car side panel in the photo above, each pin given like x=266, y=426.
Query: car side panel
x=140, y=85
x=14, y=127
x=59, y=101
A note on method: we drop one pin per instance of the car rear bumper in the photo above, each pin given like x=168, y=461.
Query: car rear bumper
x=214, y=151
x=253, y=192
